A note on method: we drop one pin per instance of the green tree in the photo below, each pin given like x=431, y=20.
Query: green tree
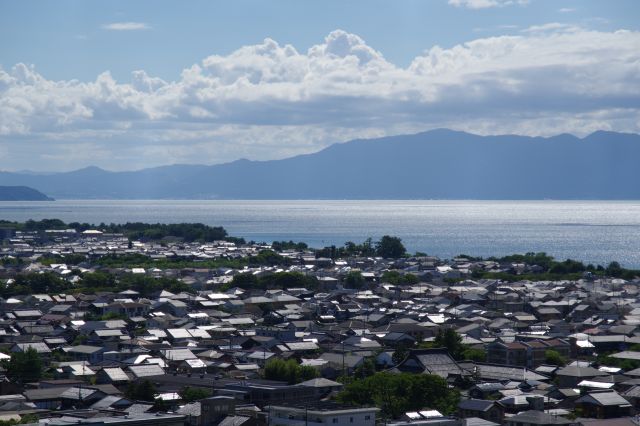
x=395, y=278
x=448, y=338
x=24, y=419
x=24, y=367
x=354, y=279
x=191, y=394
x=391, y=277
x=410, y=279
x=288, y=371
x=554, y=358
x=614, y=269
x=288, y=245
x=473, y=354
x=390, y=247
x=400, y=354
x=142, y=391
x=366, y=369
x=395, y=394
x=286, y=280
x=245, y=281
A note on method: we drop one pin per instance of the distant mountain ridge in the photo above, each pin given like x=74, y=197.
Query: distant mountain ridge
x=438, y=164
x=21, y=193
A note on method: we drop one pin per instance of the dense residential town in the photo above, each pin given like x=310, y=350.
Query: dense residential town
x=99, y=328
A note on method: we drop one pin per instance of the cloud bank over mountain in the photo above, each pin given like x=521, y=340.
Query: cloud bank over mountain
x=269, y=100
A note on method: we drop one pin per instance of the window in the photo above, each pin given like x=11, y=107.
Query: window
x=350, y=419
x=367, y=417
x=335, y=420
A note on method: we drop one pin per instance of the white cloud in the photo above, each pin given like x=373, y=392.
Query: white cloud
x=566, y=10
x=126, y=26
x=552, y=27
x=270, y=101
x=485, y=4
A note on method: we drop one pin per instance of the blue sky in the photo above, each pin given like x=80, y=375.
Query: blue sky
x=132, y=84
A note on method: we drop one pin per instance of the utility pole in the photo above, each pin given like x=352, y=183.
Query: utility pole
x=343, y=373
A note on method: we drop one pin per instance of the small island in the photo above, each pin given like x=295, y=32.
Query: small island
x=22, y=193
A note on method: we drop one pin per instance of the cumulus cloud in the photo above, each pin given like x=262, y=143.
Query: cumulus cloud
x=271, y=101
x=485, y=4
x=126, y=26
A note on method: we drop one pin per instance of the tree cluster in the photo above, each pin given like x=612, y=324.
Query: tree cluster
x=554, y=358
x=396, y=278
x=134, y=230
x=554, y=270
x=278, y=280
x=354, y=279
x=24, y=367
x=288, y=371
x=387, y=247
x=191, y=394
x=141, y=391
x=396, y=394
x=48, y=283
x=288, y=245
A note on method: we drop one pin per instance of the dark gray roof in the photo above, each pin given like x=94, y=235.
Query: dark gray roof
x=611, y=398
x=234, y=421
x=580, y=372
x=106, y=402
x=503, y=372
x=477, y=421
x=84, y=349
x=475, y=404
x=116, y=374
x=431, y=361
x=320, y=383
x=147, y=370
x=538, y=418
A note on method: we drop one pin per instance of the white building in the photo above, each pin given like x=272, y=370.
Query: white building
x=321, y=413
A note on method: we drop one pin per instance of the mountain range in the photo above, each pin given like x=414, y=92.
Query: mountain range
x=438, y=164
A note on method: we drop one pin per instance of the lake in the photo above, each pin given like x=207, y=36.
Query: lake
x=590, y=231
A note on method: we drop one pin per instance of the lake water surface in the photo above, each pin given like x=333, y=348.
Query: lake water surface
x=591, y=231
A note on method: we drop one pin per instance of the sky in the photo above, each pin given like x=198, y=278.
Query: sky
x=126, y=85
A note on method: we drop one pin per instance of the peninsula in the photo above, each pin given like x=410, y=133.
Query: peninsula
x=21, y=193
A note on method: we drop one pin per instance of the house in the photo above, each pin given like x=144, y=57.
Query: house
x=515, y=353
x=263, y=393
x=91, y=354
x=40, y=347
x=323, y=387
x=431, y=361
x=492, y=411
x=113, y=375
x=395, y=339
x=214, y=409
x=338, y=364
x=145, y=370
x=486, y=390
x=570, y=376
x=499, y=373
x=536, y=418
x=321, y=413
x=604, y=405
